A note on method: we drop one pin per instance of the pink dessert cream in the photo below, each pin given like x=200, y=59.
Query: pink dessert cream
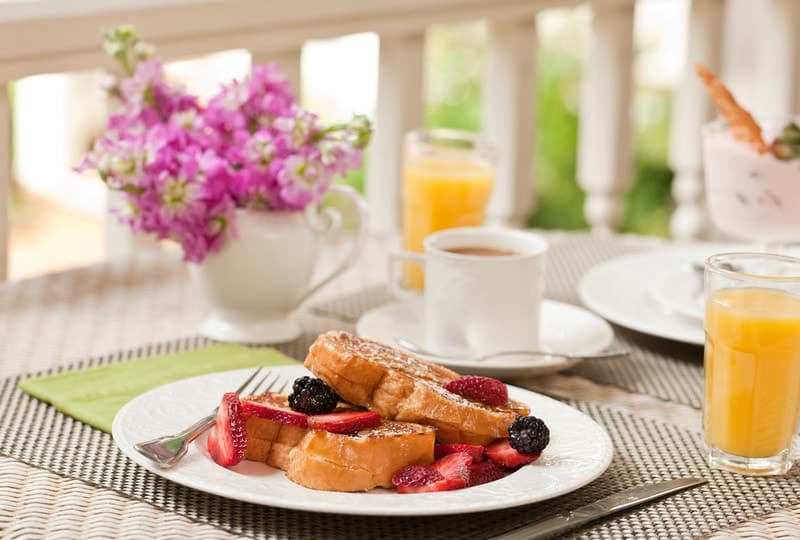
x=750, y=196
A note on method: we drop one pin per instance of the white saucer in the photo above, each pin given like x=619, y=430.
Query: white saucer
x=655, y=292
x=564, y=328
x=219, y=327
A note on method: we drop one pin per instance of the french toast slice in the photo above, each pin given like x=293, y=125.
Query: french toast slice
x=362, y=460
x=404, y=387
x=269, y=441
x=319, y=459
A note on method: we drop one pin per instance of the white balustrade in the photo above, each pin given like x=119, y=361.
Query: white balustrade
x=274, y=30
x=779, y=59
x=604, y=138
x=692, y=109
x=399, y=109
x=289, y=60
x=5, y=175
x=510, y=117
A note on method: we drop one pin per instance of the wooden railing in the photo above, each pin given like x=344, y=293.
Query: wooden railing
x=44, y=36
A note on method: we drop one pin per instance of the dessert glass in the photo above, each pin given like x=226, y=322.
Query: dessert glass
x=750, y=196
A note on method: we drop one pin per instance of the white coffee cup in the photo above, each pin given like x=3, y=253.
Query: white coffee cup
x=478, y=304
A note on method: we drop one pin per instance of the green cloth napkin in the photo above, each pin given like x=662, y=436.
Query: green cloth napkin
x=95, y=395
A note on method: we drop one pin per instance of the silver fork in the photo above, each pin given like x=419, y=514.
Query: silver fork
x=168, y=450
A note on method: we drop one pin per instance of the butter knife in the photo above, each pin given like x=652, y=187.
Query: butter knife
x=609, y=505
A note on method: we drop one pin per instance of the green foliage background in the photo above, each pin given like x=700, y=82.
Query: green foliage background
x=456, y=62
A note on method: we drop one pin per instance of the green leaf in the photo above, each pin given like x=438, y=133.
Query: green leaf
x=787, y=145
x=130, y=188
x=119, y=43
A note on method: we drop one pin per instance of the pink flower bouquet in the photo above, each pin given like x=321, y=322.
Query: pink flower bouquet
x=185, y=166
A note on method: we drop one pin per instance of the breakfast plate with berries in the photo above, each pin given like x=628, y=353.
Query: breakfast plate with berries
x=320, y=448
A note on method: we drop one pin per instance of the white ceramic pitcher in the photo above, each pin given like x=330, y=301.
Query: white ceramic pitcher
x=255, y=283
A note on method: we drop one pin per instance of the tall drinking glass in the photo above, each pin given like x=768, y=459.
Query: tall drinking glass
x=447, y=180
x=752, y=361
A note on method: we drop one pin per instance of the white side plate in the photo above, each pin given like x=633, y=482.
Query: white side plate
x=654, y=292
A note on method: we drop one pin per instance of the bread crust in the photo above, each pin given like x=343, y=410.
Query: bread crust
x=362, y=461
x=404, y=387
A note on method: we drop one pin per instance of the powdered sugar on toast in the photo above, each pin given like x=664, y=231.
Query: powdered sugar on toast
x=404, y=387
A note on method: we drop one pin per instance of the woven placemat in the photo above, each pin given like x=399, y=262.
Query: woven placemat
x=662, y=368
x=646, y=450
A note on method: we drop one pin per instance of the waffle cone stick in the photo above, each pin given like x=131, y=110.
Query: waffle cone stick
x=743, y=126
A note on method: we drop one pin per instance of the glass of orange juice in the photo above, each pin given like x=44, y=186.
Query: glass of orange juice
x=447, y=180
x=752, y=361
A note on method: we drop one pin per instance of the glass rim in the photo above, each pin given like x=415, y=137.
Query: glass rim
x=720, y=123
x=715, y=126
x=477, y=140
x=715, y=263
x=432, y=243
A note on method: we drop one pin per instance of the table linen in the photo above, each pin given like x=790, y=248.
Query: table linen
x=98, y=311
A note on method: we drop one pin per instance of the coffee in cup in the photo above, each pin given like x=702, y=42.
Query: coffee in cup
x=483, y=289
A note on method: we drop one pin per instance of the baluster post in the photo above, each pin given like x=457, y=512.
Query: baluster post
x=5, y=176
x=510, y=117
x=778, y=59
x=691, y=110
x=290, y=62
x=400, y=108
x=604, y=138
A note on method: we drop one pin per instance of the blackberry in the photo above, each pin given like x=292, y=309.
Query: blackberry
x=528, y=434
x=312, y=396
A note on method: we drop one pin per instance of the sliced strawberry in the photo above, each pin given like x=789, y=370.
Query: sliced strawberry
x=227, y=440
x=502, y=453
x=212, y=444
x=474, y=450
x=344, y=422
x=477, y=388
x=454, y=467
x=419, y=479
x=484, y=472
x=278, y=414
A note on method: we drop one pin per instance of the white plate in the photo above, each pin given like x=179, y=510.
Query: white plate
x=679, y=291
x=564, y=328
x=654, y=292
x=579, y=451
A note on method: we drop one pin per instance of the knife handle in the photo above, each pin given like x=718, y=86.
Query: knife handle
x=548, y=527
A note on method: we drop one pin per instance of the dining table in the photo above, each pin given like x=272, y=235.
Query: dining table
x=60, y=478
